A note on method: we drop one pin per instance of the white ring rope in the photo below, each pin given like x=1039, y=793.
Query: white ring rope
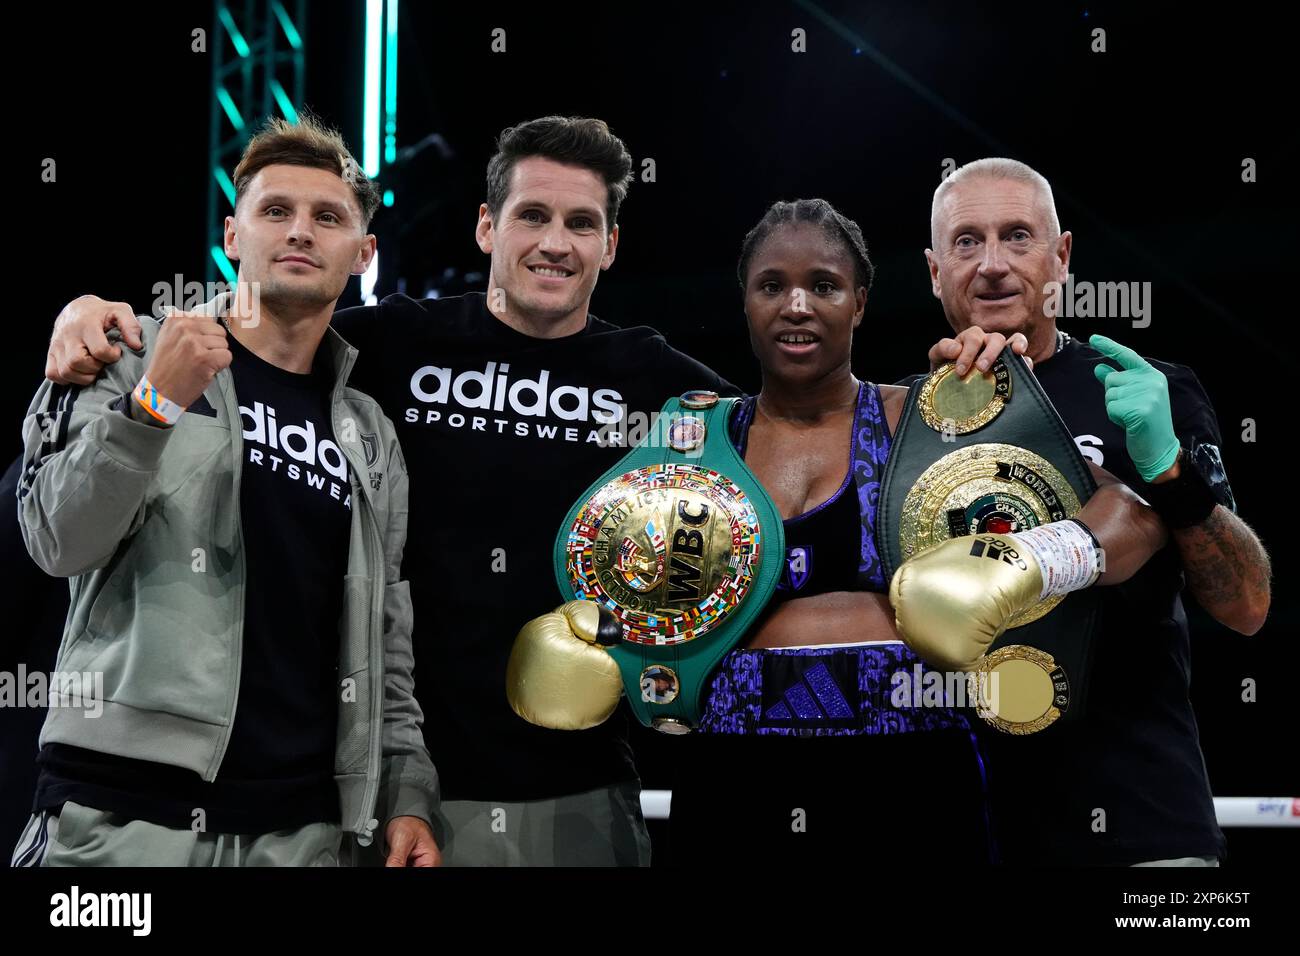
x=1231, y=811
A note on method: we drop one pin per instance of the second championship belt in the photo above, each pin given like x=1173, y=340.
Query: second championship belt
x=989, y=454
x=682, y=544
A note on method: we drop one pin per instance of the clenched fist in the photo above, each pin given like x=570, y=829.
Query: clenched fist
x=190, y=351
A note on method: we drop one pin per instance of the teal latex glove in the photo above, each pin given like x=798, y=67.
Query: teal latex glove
x=1137, y=399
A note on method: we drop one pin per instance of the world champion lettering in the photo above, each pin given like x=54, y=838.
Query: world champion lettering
x=1027, y=476
x=1040, y=486
x=617, y=516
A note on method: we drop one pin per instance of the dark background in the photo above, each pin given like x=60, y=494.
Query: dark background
x=1143, y=144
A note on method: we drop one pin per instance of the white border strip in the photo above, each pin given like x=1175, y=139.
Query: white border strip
x=1231, y=811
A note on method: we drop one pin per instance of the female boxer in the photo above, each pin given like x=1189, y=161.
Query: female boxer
x=817, y=745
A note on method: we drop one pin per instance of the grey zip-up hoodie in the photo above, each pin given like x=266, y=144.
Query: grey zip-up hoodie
x=145, y=521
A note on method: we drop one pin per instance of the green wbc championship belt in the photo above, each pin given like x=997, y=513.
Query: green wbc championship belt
x=989, y=454
x=682, y=544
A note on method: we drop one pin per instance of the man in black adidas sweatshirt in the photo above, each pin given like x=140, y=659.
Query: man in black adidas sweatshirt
x=507, y=404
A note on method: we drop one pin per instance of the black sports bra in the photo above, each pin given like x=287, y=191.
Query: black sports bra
x=832, y=547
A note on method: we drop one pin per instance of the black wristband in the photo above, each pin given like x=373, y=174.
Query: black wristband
x=1184, y=501
x=1095, y=543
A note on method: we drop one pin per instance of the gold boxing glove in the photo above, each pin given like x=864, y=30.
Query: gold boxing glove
x=560, y=675
x=954, y=600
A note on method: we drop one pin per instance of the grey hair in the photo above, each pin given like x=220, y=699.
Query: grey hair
x=995, y=167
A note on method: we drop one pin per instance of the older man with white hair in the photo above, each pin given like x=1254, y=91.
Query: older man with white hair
x=1127, y=784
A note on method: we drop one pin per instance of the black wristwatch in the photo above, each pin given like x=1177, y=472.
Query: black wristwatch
x=1184, y=501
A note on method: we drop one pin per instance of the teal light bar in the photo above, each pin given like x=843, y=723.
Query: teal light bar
x=237, y=38
x=227, y=270
x=232, y=111
x=390, y=85
x=370, y=118
x=290, y=31
x=281, y=97
x=388, y=197
x=224, y=182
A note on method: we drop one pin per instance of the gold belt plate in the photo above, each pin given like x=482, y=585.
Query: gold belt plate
x=983, y=488
x=671, y=549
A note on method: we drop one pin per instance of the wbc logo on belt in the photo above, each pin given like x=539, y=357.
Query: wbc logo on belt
x=670, y=549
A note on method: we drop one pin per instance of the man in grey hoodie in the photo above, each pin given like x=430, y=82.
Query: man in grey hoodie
x=232, y=518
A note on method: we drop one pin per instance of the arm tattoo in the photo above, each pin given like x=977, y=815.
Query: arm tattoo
x=1224, y=561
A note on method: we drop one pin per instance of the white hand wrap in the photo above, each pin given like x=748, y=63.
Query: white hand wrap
x=1067, y=554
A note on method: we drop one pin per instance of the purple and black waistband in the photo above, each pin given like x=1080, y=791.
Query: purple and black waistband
x=867, y=689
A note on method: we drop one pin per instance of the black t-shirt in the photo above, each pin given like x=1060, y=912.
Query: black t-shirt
x=501, y=432
x=295, y=516
x=1127, y=782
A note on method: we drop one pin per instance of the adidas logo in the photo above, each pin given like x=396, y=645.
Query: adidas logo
x=492, y=389
x=987, y=546
x=815, y=696
x=295, y=441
